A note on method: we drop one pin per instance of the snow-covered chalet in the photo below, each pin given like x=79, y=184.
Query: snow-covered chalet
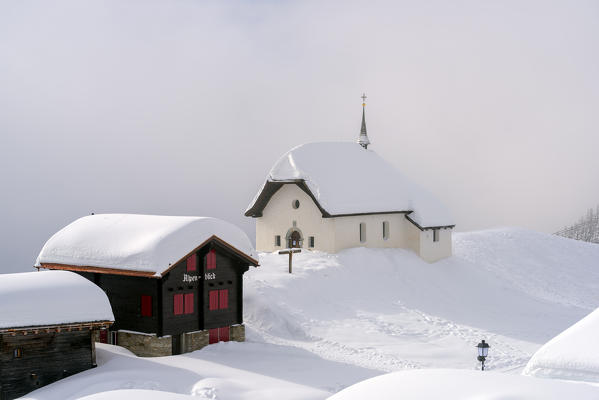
x=175, y=283
x=47, y=324
x=334, y=195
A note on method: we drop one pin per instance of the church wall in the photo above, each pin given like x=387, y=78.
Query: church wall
x=431, y=251
x=334, y=234
x=413, y=237
x=347, y=231
x=278, y=216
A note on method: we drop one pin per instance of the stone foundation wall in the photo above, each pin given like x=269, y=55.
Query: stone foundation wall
x=144, y=345
x=237, y=333
x=195, y=341
x=148, y=345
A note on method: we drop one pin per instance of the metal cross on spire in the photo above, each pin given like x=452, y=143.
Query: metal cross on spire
x=363, y=138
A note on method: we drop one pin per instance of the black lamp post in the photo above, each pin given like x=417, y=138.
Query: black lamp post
x=483, y=351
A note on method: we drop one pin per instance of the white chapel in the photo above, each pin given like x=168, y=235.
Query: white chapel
x=334, y=195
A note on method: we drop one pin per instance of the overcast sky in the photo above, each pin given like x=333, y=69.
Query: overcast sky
x=182, y=107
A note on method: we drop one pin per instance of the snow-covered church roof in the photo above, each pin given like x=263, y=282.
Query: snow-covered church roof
x=343, y=178
x=145, y=243
x=48, y=298
x=571, y=355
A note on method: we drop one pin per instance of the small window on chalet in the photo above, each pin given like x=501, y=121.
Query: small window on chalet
x=191, y=263
x=146, y=306
x=189, y=303
x=18, y=352
x=435, y=235
x=278, y=240
x=211, y=259
x=310, y=241
x=178, y=304
x=362, y=232
x=385, y=230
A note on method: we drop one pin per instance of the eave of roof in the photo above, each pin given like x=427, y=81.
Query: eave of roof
x=68, y=327
x=271, y=187
x=424, y=228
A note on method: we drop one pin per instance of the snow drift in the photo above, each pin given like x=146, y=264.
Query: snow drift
x=572, y=355
x=460, y=385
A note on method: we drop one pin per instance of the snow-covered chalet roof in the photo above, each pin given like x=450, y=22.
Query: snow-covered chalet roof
x=144, y=243
x=48, y=298
x=345, y=179
x=571, y=355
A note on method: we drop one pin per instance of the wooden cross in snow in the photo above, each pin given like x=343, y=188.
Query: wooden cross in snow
x=290, y=252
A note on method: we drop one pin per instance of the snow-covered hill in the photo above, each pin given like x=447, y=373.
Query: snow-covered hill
x=387, y=309
x=342, y=318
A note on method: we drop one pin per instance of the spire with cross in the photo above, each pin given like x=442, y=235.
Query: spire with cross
x=363, y=138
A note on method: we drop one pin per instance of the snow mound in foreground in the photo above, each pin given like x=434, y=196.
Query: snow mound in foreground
x=571, y=355
x=437, y=384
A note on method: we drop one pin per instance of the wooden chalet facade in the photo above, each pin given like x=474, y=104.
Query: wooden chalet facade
x=195, y=301
x=36, y=355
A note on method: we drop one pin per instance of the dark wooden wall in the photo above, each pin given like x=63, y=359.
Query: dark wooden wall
x=172, y=284
x=229, y=275
x=46, y=358
x=124, y=294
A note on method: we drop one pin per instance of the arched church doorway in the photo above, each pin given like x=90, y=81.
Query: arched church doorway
x=294, y=240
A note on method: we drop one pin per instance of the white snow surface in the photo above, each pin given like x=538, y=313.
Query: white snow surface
x=50, y=298
x=345, y=178
x=339, y=319
x=224, y=371
x=438, y=384
x=572, y=355
x=150, y=243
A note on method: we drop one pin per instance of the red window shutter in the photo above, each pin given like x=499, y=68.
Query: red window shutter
x=146, y=306
x=189, y=303
x=211, y=260
x=224, y=299
x=223, y=334
x=213, y=336
x=178, y=304
x=191, y=263
x=213, y=299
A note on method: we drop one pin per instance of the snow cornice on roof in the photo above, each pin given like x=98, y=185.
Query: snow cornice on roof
x=271, y=187
x=344, y=179
x=139, y=245
x=51, y=301
x=148, y=274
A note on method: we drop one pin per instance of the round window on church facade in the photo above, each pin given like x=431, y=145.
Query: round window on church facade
x=295, y=204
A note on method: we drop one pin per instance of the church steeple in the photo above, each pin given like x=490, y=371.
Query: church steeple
x=363, y=139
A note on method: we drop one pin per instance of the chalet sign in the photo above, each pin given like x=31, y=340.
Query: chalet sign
x=190, y=278
x=194, y=278
x=209, y=276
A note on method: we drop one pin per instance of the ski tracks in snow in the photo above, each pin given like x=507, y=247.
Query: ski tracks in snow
x=389, y=342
